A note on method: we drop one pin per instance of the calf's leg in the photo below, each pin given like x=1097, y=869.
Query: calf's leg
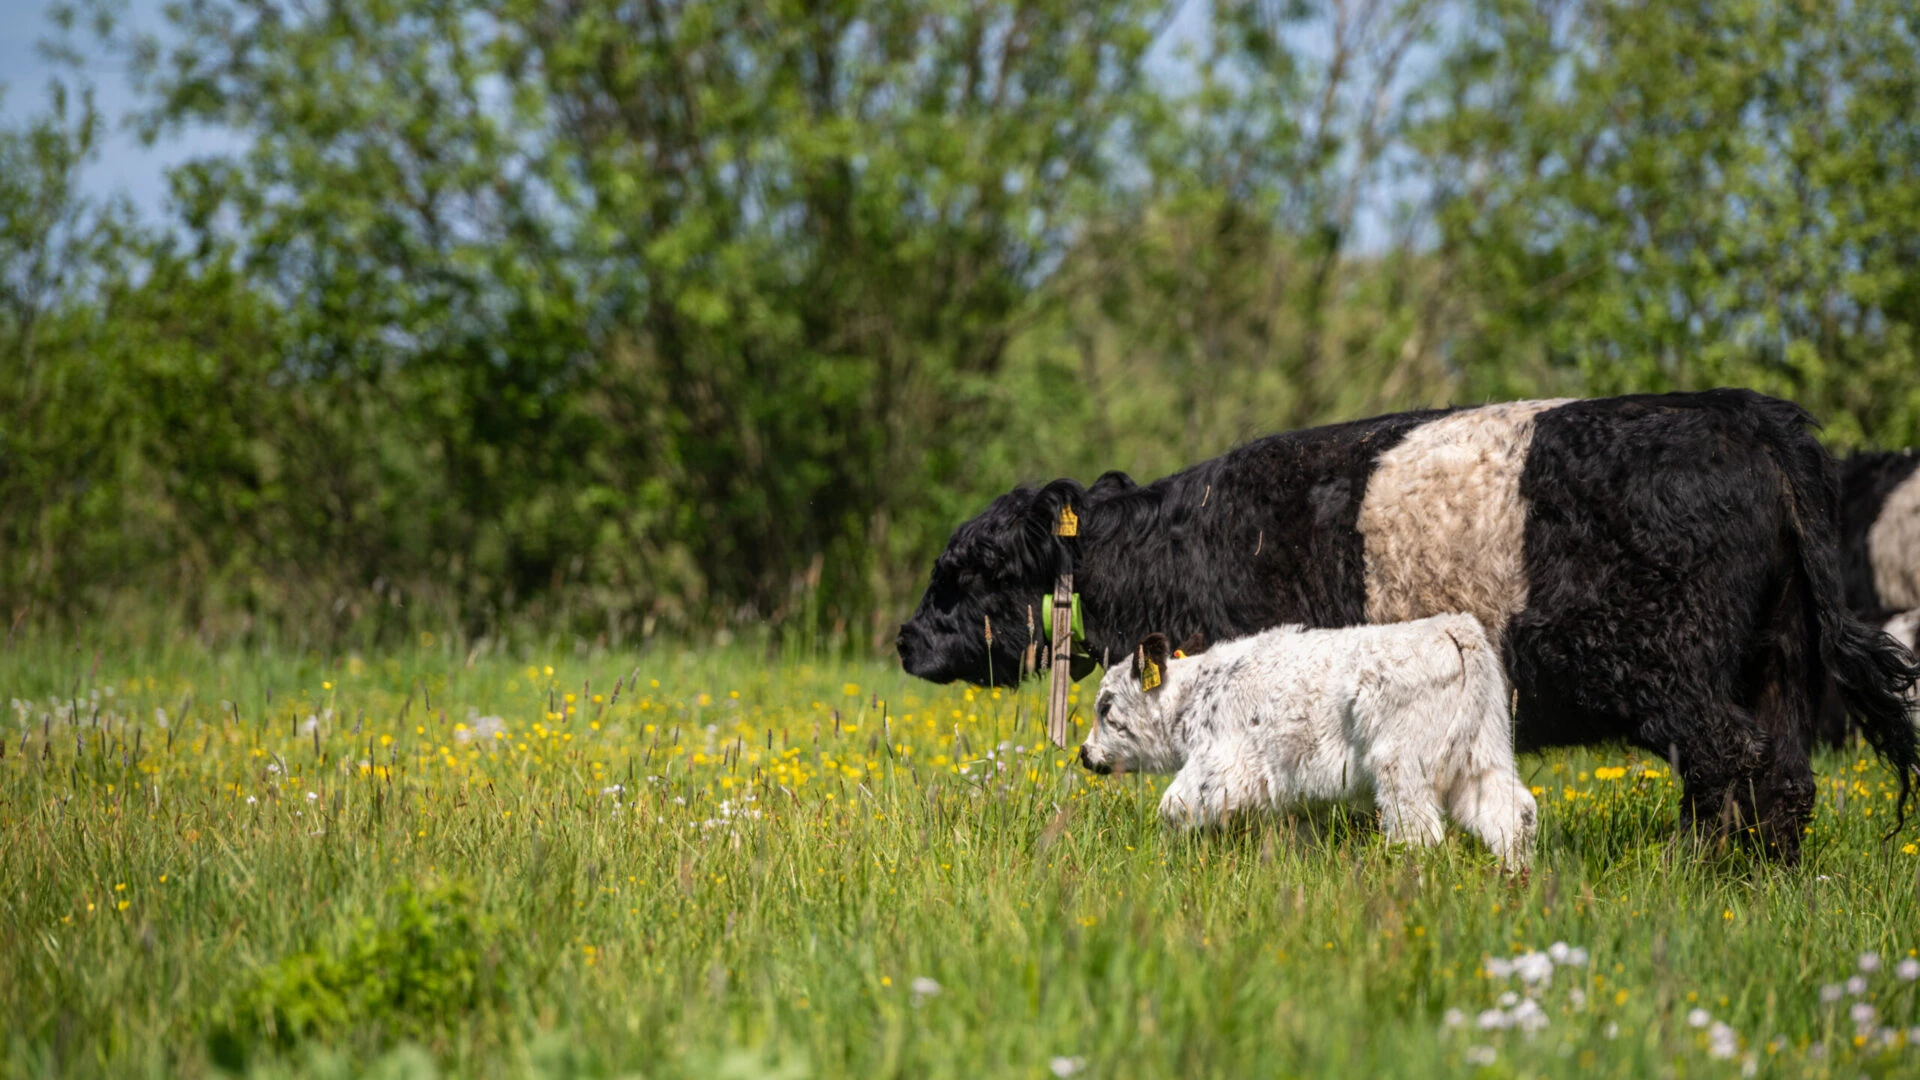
x=1409, y=804
x=1496, y=807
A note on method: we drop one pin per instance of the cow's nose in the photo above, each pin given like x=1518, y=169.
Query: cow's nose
x=1087, y=762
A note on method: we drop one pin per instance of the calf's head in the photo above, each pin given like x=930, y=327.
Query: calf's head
x=1136, y=716
x=993, y=573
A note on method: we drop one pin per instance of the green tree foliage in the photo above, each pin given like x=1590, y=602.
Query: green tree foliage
x=641, y=314
x=1651, y=196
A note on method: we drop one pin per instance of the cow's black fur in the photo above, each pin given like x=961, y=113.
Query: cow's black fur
x=1679, y=550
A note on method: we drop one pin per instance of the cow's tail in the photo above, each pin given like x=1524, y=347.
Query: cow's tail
x=1872, y=672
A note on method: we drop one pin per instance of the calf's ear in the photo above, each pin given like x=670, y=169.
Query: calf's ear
x=1150, y=660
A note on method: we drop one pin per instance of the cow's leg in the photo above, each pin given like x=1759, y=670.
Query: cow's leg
x=1721, y=765
x=1673, y=686
x=1790, y=685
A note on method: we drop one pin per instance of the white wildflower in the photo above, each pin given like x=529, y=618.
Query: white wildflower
x=251, y=800
x=924, y=988
x=1498, y=968
x=1508, y=1000
x=160, y=718
x=1907, y=970
x=273, y=767
x=1722, y=1043
x=613, y=789
x=1577, y=997
x=1862, y=1014
x=1699, y=1018
x=1869, y=962
x=1749, y=1065
x=310, y=725
x=1830, y=993
x=1452, y=1018
x=481, y=727
x=312, y=795
x=1481, y=1055
x=1066, y=1066
x=1857, y=985
x=1494, y=1020
x=1613, y=1029
x=1534, y=969
x=1529, y=1017
x=1558, y=952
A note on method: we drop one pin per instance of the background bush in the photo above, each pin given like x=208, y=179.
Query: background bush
x=629, y=316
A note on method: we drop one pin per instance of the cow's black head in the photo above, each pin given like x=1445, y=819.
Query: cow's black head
x=995, y=570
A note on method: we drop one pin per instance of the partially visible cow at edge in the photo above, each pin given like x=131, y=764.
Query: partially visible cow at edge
x=1413, y=714
x=1879, y=553
x=1661, y=569
x=1880, y=533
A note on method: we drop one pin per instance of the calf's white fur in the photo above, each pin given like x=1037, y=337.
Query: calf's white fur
x=1415, y=713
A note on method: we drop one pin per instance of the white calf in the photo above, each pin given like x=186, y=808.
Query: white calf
x=1414, y=712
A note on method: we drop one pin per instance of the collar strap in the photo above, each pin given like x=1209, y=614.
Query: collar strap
x=1077, y=631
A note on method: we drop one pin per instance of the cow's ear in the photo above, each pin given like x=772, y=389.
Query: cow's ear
x=1056, y=514
x=1150, y=661
x=1195, y=644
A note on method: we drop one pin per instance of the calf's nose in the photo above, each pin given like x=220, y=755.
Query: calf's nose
x=1087, y=762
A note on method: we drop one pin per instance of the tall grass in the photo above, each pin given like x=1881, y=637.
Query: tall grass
x=330, y=866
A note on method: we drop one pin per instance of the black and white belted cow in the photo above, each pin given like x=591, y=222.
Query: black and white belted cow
x=1879, y=554
x=1880, y=533
x=1661, y=569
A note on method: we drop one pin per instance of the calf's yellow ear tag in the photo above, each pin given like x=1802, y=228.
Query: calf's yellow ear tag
x=1069, y=523
x=1149, y=675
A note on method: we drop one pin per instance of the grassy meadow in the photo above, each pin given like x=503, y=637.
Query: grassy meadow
x=739, y=862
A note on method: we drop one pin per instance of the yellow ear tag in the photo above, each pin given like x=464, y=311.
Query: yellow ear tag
x=1069, y=523
x=1149, y=675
